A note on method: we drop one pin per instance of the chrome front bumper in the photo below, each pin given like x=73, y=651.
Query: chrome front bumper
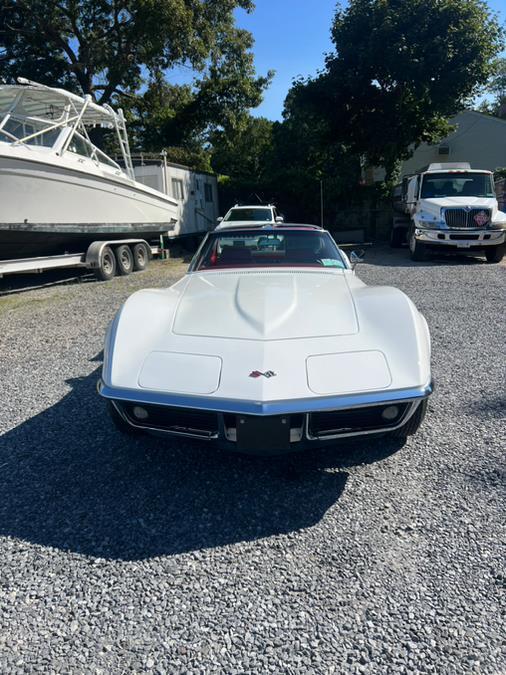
x=246, y=407
x=462, y=239
x=298, y=412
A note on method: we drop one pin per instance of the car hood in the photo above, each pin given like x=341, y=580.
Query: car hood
x=266, y=305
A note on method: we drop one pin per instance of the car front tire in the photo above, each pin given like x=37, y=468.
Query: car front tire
x=414, y=422
x=120, y=423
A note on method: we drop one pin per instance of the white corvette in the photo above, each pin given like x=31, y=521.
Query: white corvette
x=269, y=343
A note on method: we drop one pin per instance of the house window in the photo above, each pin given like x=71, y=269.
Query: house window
x=177, y=188
x=208, y=192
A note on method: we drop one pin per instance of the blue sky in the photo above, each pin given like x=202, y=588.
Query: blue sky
x=291, y=37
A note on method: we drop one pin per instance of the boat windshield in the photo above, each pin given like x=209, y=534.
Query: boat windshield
x=35, y=115
x=460, y=184
x=269, y=248
x=81, y=146
x=16, y=129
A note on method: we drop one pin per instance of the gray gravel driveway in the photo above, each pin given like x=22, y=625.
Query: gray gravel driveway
x=163, y=556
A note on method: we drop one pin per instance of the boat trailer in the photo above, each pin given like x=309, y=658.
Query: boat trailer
x=104, y=258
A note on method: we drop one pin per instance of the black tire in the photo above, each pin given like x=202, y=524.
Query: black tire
x=495, y=254
x=397, y=237
x=120, y=423
x=141, y=257
x=106, y=269
x=413, y=423
x=417, y=250
x=124, y=260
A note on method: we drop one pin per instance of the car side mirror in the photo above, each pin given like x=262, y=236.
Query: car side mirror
x=356, y=257
x=279, y=219
x=220, y=219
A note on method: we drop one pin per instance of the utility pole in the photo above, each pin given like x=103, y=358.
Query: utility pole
x=321, y=202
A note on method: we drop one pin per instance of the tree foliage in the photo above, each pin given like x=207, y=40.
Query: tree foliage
x=125, y=49
x=102, y=46
x=399, y=70
x=497, y=88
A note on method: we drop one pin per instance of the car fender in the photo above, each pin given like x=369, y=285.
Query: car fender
x=392, y=322
x=139, y=324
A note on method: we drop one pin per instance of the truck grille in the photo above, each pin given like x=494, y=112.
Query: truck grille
x=461, y=218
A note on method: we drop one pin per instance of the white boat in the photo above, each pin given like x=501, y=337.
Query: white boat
x=58, y=190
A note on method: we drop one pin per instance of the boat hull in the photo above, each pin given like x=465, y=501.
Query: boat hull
x=50, y=209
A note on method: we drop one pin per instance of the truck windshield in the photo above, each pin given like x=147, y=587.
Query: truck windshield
x=457, y=185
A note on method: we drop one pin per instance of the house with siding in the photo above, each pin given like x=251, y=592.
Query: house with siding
x=478, y=138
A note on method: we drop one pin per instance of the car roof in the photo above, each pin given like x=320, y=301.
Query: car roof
x=251, y=206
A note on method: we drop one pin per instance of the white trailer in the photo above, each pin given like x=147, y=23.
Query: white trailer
x=196, y=192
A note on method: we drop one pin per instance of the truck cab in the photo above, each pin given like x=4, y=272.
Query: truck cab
x=450, y=206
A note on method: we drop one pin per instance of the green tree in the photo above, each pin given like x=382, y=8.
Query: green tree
x=244, y=154
x=399, y=70
x=217, y=101
x=102, y=46
x=497, y=88
x=124, y=50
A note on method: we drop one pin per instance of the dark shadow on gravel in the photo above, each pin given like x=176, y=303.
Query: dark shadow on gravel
x=70, y=481
x=384, y=256
x=23, y=283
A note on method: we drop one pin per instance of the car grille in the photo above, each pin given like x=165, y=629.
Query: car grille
x=338, y=422
x=182, y=421
x=462, y=218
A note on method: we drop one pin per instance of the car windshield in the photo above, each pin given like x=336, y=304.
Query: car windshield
x=260, y=215
x=457, y=185
x=290, y=248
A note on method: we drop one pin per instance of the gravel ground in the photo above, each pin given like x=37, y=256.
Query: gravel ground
x=162, y=556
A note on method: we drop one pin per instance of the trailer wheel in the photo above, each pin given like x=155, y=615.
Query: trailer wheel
x=495, y=254
x=124, y=260
x=140, y=257
x=106, y=265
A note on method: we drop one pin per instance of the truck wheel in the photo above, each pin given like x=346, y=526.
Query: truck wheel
x=397, y=237
x=141, y=257
x=414, y=422
x=120, y=423
x=124, y=260
x=495, y=254
x=417, y=249
x=106, y=265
